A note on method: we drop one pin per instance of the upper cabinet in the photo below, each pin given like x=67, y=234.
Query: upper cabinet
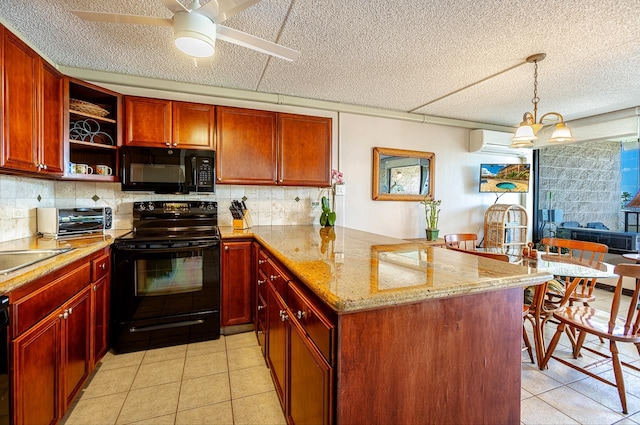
x=266, y=148
x=304, y=150
x=92, y=131
x=166, y=123
x=246, y=146
x=32, y=110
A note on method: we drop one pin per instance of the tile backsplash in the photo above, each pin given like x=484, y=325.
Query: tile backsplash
x=20, y=196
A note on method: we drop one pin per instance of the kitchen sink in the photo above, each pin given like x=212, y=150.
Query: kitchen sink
x=14, y=260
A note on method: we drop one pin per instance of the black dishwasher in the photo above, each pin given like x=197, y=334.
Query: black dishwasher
x=4, y=361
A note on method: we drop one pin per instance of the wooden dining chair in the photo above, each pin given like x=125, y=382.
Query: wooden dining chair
x=525, y=307
x=607, y=325
x=466, y=241
x=583, y=252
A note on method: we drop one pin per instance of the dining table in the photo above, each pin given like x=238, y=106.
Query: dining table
x=572, y=271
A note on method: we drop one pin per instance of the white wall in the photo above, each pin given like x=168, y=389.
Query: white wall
x=456, y=177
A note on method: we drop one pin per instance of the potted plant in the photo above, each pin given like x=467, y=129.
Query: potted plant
x=327, y=217
x=432, y=214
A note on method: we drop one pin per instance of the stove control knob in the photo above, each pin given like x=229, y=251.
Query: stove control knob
x=203, y=206
x=141, y=207
x=150, y=206
x=210, y=206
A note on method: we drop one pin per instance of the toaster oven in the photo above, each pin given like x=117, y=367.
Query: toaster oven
x=68, y=222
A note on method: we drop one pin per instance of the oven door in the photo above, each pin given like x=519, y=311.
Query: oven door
x=164, y=280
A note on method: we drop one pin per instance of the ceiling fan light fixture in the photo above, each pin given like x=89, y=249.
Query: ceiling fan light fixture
x=194, y=34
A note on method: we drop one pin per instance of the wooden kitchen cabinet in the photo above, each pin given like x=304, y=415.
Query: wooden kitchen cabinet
x=93, y=118
x=100, y=291
x=300, y=345
x=310, y=381
x=165, y=123
x=277, y=336
x=268, y=148
x=58, y=333
x=304, y=150
x=51, y=362
x=246, y=146
x=32, y=110
x=237, y=279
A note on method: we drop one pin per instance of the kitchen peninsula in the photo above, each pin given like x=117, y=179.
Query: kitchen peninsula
x=371, y=329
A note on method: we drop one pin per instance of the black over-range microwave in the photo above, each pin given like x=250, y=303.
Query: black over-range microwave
x=167, y=170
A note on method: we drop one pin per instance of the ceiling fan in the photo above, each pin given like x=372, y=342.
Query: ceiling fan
x=196, y=28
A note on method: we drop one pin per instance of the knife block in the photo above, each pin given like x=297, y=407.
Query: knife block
x=243, y=224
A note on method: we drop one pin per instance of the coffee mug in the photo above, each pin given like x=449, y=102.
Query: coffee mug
x=83, y=169
x=104, y=170
x=71, y=168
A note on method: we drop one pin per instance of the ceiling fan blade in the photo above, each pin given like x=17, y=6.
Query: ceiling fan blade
x=174, y=6
x=122, y=18
x=221, y=10
x=243, y=39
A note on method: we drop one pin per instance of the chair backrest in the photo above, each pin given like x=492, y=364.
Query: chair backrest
x=588, y=253
x=461, y=240
x=492, y=255
x=632, y=318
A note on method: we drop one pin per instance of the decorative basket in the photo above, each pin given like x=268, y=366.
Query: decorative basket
x=87, y=108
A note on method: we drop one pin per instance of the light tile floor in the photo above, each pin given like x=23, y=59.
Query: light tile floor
x=226, y=382
x=214, y=382
x=562, y=395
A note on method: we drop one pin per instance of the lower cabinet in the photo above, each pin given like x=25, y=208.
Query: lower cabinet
x=236, y=281
x=51, y=362
x=300, y=348
x=58, y=333
x=277, y=336
x=100, y=318
x=310, y=381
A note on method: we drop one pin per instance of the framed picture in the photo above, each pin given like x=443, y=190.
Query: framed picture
x=402, y=175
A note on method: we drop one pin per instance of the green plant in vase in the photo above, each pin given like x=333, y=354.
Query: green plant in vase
x=327, y=217
x=431, y=214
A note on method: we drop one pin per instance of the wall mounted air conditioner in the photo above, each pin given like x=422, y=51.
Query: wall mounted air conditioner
x=494, y=142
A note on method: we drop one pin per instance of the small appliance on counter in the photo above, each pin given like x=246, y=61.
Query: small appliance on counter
x=73, y=222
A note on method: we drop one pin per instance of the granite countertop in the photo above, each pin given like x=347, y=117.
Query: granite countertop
x=353, y=270
x=83, y=246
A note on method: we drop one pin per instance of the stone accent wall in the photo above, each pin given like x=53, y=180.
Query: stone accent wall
x=584, y=180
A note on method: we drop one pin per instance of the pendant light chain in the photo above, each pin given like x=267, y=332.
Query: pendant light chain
x=535, y=99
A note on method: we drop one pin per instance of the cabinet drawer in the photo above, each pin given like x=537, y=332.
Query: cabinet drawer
x=32, y=308
x=315, y=324
x=272, y=273
x=100, y=267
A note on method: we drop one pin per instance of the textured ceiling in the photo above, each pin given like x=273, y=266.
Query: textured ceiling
x=397, y=55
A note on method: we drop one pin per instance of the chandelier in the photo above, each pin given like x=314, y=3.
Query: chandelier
x=530, y=126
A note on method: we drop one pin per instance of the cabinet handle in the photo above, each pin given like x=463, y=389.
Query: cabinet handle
x=284, y=316
x=95, y=287
x=167, y=143
x=272, y=277
x=260, y=332
x=70, y=310
x=262, y=261
x=175, y=144
x=260, y=307
x=64, y=315
x=260, y=282
x=103, y=266
x=301, y=314
x=226, y=248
